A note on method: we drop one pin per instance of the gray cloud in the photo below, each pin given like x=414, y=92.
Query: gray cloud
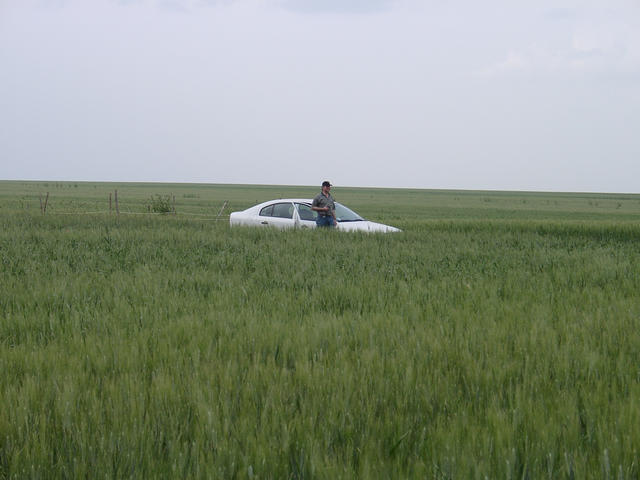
x=174, y=5
x=52, y=4
x=562, y=14
x=126, y=2
x=337, y=6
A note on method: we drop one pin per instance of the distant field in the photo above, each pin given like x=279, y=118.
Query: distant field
x=497, y=336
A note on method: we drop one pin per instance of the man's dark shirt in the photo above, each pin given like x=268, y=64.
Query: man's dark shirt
x=322, y=201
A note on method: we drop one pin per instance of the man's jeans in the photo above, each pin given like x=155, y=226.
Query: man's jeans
x=324, y=221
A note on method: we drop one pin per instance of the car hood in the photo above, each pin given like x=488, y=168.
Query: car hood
x=366, y=226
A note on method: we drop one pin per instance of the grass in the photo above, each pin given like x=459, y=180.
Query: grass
x=497, y=336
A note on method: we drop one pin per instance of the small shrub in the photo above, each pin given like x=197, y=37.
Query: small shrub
x=160, y=204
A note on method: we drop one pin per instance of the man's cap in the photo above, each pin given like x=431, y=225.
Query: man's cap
x=326, y=183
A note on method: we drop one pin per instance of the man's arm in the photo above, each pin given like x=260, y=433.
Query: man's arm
x=314, y=206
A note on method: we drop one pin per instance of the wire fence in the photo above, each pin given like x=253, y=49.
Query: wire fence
x=197, y=216
x=117, y=208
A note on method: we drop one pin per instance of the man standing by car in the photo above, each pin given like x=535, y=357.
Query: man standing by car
x=325, y=206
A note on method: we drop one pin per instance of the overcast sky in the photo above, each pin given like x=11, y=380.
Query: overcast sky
x=501, y=95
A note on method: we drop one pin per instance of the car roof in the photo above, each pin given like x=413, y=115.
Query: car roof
x=285, y=200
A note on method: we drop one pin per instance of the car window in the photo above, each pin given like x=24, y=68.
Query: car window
x=283, y=210
x=344, y=214
x=305, y=212
x=267, y=211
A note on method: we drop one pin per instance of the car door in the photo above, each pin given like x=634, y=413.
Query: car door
x=304, y=216
x=279, y=215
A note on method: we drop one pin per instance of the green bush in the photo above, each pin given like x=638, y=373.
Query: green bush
x=160, y=204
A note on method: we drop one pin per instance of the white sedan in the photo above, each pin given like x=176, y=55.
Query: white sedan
x=297, y=213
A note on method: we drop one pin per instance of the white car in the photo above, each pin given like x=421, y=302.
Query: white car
x=297, y=213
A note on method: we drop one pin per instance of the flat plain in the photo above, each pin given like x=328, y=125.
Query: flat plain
x=497, y=336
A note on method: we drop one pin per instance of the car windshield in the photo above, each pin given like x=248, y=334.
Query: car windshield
x=343, y=214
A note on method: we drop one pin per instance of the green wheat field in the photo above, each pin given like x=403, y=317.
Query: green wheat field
x=497, y=336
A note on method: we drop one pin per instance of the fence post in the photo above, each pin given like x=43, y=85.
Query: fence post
x=117, y=207
x=223, y=205
x=109, y=203
x=46, y=201
x=174, y=204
